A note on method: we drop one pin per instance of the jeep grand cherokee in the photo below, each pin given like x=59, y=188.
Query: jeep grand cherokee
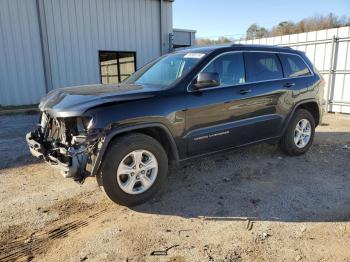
x=183, y=105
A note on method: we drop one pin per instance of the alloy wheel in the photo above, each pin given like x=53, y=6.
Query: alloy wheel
x=137, y=172
x=302, y=133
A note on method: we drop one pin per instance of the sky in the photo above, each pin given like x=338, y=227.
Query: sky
x=213, y=18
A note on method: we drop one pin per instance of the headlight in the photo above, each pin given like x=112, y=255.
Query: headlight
x=84, y=124
x=90, y=124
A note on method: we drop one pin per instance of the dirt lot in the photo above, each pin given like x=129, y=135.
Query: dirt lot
x=251, y=204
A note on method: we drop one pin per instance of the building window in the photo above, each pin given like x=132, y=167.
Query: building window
x=116, y=66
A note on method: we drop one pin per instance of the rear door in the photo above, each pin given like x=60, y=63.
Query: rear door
x=263, y=103
x=297, y=74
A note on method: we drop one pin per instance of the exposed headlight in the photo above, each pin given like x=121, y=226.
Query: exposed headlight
x=90, y=124
x=84, y=123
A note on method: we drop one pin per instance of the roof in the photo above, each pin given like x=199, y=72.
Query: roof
x=184, y=30
x=203, y=49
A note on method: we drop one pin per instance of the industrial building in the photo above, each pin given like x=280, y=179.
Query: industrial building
x=47, y=44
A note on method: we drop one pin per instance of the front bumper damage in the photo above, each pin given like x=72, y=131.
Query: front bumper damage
x=73, y=163
x=74, y=159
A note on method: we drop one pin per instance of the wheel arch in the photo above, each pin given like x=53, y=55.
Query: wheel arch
x=309, y=105
x=155, y=130
x=313, y=108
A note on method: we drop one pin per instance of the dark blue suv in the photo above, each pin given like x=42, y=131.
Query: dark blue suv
x=180, y=106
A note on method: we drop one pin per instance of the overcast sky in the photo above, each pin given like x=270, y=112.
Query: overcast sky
x=212, y=18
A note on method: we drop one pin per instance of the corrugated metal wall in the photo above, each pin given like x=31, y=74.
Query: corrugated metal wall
x=167, y=21
x=318, y=47
x=73, y=31
x=78, y=29
x=21, y=65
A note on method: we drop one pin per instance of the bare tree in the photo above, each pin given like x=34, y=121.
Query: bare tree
x=255, y=31
x=283, y=28
x=208, y=41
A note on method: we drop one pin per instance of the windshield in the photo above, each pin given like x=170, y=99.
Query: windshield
x=165, y=70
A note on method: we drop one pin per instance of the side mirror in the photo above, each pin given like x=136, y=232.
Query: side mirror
x=205, y=80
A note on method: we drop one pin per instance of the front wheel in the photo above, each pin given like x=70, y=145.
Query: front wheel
x=299, y=135
x=134, y=169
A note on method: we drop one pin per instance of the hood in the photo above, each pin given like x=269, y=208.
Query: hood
x=74, y=101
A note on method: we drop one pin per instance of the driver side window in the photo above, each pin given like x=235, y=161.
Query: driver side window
x=230, y=68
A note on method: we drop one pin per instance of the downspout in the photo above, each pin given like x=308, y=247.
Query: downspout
x=45, y=52
x=161, y=27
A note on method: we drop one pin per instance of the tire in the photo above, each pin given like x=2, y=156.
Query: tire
x=288, y=144
x=121, y=153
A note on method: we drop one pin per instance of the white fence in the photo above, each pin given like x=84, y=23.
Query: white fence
x=329, y=51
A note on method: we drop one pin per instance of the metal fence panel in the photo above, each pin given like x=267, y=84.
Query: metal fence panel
x=329, y=50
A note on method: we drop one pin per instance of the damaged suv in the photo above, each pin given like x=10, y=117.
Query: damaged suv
x=183, y=105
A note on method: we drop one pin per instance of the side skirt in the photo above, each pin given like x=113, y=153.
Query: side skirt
x=273, y=140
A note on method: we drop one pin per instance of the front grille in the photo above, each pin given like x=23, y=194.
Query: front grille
x=58, y=130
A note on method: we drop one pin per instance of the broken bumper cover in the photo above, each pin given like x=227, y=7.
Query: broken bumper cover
x=74, y=167
x=36, y=149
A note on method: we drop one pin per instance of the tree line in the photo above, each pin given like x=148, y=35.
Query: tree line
x=314, y=23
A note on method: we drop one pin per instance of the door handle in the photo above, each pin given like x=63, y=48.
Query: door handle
x=245, y=91
x=289, y=84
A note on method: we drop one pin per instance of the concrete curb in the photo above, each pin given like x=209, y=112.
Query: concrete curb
x=24, y=111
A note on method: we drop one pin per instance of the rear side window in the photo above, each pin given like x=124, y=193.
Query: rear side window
x=294, y=66
x=262, y=66
x=230, y=68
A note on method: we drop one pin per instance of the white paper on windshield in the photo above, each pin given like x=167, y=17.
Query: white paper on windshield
x=194, y=55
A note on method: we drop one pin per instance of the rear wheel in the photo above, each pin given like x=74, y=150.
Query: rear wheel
x=300, y=133
x=134, y=169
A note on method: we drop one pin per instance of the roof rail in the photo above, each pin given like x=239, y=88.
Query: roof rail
x=283, y=46
x=257, y=45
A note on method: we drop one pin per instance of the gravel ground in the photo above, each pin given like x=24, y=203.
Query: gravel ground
x=251, y=204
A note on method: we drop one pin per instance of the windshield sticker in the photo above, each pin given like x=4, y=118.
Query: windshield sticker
x=194, y=55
